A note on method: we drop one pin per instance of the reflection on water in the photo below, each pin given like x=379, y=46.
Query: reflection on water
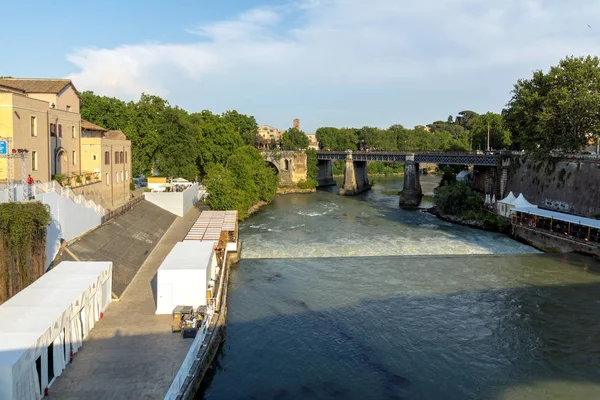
x=451, y=324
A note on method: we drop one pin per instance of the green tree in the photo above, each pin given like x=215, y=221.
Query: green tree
x=559, y=110
x=245, y=125
x=178, y=150
x=294, y=139
x=500, y=137
x=464, y=119
x=217, y=139
x=457, y=198
x=312, y=169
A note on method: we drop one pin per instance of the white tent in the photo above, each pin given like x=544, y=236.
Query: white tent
x=519, y=202
x=43, y=323
x=183, y=277
x=502, y=205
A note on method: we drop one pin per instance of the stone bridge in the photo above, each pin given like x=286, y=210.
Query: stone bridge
x=291, y=166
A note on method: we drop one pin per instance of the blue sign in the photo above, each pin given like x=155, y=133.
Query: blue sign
x=3, y=147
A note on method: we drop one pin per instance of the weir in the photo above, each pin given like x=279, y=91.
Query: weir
x=412, y=193
x=356, y=178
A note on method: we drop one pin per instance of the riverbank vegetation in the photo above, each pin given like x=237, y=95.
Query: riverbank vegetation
x=22, y=245
x=242, y=182
x=457, y=202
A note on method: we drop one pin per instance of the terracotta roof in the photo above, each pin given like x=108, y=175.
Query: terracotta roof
x=36, y=85
x=118, y=135
x=8, y=89
x=88, y=126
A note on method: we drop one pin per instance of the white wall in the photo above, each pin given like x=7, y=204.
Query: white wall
x=69, y=221
x=179, y=203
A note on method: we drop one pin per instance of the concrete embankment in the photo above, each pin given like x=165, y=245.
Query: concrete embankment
x=552, y=243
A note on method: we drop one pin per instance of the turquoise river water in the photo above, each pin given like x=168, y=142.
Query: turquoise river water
x=353, y=298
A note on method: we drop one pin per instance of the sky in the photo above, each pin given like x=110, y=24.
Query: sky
x=328, y=62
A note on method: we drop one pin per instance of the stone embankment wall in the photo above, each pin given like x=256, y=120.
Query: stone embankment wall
x=549, y=243
x=570, y=186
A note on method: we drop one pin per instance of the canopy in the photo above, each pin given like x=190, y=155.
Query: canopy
x=56, y=310
x=508, y=199
x=574, y=219
x=521, y=202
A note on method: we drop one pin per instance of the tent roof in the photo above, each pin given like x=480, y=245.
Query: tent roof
x=521, y=202
x=25, y=317
x=508, y=199
x=188, y=255
x=574, y=219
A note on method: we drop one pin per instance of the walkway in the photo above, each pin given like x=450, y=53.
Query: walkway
x=131, y=353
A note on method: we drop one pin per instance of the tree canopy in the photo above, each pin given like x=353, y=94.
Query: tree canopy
x=294, y=139
x=557, y=110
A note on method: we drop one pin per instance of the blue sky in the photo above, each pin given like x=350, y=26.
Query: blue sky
x=328, y=62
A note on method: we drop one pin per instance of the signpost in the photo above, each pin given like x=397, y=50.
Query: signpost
x=3, y=147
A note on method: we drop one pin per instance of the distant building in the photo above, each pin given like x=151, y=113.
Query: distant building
x=312, y=141
x=423, y=127
x=269, y=133
x=297, y=123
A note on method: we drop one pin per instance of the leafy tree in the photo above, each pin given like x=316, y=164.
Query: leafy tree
x=294, y=139
x=245, y=180
x=217, y=139
x=245, y=125
x=464, y=119
x=456, y=199
x=178, y=149
x=312, y=168
x=500, y=137
x=559, y=110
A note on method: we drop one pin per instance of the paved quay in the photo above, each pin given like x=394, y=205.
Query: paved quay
x=131, y=353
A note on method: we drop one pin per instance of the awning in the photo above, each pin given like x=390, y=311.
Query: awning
x=508, y=199
x=574, y=219
x=521, y=202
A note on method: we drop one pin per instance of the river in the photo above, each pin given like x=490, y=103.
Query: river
x=352, y=298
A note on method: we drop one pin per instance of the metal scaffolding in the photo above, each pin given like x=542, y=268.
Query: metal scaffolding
x=10, y=154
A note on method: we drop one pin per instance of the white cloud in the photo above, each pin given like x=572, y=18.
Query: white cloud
x=318, y=49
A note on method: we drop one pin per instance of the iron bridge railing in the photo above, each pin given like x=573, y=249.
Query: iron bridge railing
x=432, y=157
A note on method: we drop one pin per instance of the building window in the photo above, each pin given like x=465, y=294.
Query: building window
x=74, y=154
x=117, y=176
x=73, y=132
x=107, y=178
x=59, y=130
x=121, y=155
x=106, y=158
x=34, y=161
x=125, y=157
x=122, y=175
x=33, y=126
x=94, y=158
x=53, y=130
x=116, y=157
x=126, y=175
x=68, y=108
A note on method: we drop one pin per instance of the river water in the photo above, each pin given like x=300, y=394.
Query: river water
x=352, y=298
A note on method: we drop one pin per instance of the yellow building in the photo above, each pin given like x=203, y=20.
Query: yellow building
x=269, y=133
x=42, y=116
x=106, y=156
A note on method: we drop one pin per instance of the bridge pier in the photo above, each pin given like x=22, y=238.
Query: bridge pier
x=356, y=178
x=411, y=191
x=325, y=174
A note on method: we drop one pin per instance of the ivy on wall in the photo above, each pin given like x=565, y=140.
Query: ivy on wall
x=22, y=245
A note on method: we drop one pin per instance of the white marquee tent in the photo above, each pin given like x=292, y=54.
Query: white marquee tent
x=43, y=323
x=502, y=205
x=183, y=277
x=520, y=202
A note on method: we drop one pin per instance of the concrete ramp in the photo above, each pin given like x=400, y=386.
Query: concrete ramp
x=126, y=241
